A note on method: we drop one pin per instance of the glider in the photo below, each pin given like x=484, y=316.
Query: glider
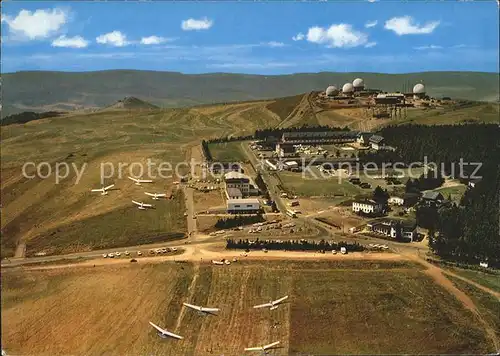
x=141, y=205
x=103, y=190
x=164, y=333
x=272, y=305
x=156, y=195
x=139, y=181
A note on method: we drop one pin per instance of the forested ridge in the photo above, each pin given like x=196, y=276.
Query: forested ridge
x=468, y=231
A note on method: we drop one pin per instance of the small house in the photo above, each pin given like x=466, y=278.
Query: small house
x=376, y=142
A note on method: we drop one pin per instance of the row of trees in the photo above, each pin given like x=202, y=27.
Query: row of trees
x=292, y=245
x=262, y=134
x=206, y=150
x=229, y=139
x=260, y=183
x=240, y=220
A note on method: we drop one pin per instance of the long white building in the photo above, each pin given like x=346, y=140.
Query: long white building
x=236, y=206
x=366, y=206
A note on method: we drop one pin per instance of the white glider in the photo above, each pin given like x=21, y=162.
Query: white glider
x=156, y=195
x=164, y=333
x=103, y=190
x=141, y=205
x=272, y=305
x=262, y=348
x=201, y=309
x=139, y=181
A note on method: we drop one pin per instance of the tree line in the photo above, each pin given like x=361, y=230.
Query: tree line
x=206, y=151
x=240, y=220
x=292, y=245
x=262, y=134
x=468, y=231
x=230, y=139
x=27, y=116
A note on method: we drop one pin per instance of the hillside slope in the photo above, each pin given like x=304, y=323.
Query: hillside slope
x=43, y=91
x=132, y=103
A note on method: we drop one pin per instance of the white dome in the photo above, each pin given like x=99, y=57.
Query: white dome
x=358, y=83
x=418, y=89
x=347, y=88
x=331, y=90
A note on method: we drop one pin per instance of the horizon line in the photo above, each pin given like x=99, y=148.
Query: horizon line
x=241, y=73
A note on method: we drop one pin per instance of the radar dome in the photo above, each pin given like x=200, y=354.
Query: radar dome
x=347, y=88
x=358, y=83
x=419, y=89
x=331, y=90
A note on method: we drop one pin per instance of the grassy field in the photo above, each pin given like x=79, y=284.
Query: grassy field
x=489, y=280
x=66, y=216
x=227, y=152
x=473, y=112
x=334, y=308
x=456, y=193
x=295, y=183
x=487, y=304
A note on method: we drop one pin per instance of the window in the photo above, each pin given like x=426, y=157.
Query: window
x=249, y=205
x=237, y=206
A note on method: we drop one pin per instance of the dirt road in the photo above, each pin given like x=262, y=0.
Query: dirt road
x=207, y=252
x=439, y=277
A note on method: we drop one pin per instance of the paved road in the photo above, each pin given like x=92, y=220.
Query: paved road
x=191, y=220
x=275, y=193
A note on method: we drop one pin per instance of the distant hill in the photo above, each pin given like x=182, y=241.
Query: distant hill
x=52, y=91
x=132, y=103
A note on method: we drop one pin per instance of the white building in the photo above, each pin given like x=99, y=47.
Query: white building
x=396, y=201
x=291, y=164
x=366, y=206
x=235, y=206
x=391, y=228
x=376, y=142
x=242, y=182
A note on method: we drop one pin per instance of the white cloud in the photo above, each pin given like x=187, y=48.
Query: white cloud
x=423, y=48
x=70, y=42
x=405, y=25
x=36, y=25
x=152, y=40
x=370, y=24
x=370, y=44
x=193, y=24
x=298, y=37
x=115, y=38
x=341, y=35
x=372, y=0
x=275, y=44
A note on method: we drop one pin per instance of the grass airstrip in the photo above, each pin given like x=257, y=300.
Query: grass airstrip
x=334, y=307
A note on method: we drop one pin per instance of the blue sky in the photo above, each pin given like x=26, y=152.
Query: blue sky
x=251, y=37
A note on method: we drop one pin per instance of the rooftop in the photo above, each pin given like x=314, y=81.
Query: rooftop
x=235, y=175
x=234, y=192
x=244, y=201
x=367, y=201
x=432, y=195
x=376, y=139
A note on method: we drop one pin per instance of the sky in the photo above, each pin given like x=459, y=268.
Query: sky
x=273, y=37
